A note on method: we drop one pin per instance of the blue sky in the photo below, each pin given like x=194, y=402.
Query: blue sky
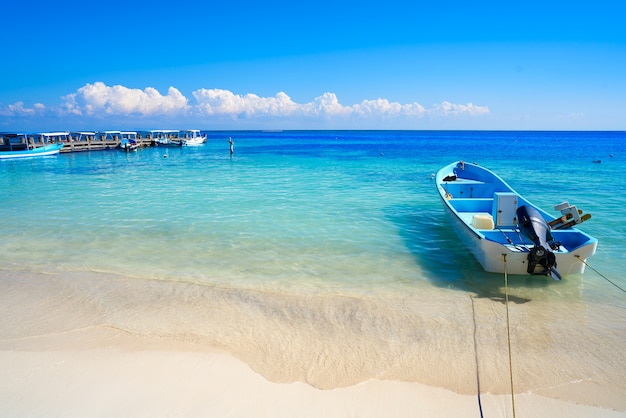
x=554, y=65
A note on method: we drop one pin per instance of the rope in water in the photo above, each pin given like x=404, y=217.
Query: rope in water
x=600, y=274
x=508, y=322
x=508, y=333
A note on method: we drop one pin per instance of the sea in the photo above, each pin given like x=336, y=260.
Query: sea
x=322, y=257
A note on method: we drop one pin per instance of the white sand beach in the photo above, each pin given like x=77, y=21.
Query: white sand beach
x=103, y=372
x=65, y=352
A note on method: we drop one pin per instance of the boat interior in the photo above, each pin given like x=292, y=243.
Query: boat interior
x=493, y=213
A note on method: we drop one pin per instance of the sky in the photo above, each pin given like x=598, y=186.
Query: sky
x=274, y=64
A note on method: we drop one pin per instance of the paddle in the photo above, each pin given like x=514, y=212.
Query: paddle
x=562, y=219
x=569, y=224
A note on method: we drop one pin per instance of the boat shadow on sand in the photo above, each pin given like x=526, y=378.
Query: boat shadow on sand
x=446, y=262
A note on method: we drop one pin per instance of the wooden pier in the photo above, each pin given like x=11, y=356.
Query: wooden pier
x=93, y=143
x=102, y=140
x=72, y=141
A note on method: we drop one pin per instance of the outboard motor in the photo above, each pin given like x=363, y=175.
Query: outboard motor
x=534, y=227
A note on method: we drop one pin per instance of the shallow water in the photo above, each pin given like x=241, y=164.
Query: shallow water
x=321, y=257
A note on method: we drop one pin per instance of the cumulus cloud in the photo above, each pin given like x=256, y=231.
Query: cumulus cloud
x=18, y=109
x=384, y=107
x=218, y=107
x=224, y=102
x=451, y=109
x=212, y=102
x=98, y=99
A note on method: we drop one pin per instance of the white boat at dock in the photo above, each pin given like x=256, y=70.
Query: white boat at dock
x=193, y=137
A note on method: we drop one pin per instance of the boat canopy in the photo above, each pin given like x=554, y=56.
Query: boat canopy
x=54, y=136
x=164, y=133
x=83, y=136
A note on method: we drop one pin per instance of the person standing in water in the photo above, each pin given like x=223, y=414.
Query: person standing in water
x=232, y=145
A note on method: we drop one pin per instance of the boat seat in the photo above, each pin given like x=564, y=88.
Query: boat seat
x=472, y=205
x=483, y=221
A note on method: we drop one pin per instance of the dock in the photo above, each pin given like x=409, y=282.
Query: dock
x=86, y=141
x=95, y=143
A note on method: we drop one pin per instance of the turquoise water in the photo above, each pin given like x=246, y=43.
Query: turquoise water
x=338, y=209
x=313, y=229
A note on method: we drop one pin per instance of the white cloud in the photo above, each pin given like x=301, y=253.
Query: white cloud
x=326, y=105
x=117, y=105
x=224, y=102
x=213, y=102
x=18, y=109
x=100, y=99
x=451, y=109
x=384, y=107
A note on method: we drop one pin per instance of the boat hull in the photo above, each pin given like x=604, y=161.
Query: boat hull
x=498, y=245
x=490, y=254
x=191, y=142
x=171, y=143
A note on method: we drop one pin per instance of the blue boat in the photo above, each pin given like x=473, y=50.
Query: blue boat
x=18, y=145
x=505, y=232
x=128, y=141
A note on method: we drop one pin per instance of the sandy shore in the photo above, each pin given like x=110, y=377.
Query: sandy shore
x=105, y=372
x=77, y=345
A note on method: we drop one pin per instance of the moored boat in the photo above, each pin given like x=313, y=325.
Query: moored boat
x=194, y=137
x=167, y=138
x=507, y=233
x=128, y=141
x=21, y=145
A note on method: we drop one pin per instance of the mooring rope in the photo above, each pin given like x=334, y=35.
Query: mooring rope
x=480, y=404
x=600, y=274
x=508, y=333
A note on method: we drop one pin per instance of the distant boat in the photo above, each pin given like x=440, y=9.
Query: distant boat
x=193, y=137
x=167, y=138
x=129, y=145
x=129, y=141
x=507, y=233
x=18, y=145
